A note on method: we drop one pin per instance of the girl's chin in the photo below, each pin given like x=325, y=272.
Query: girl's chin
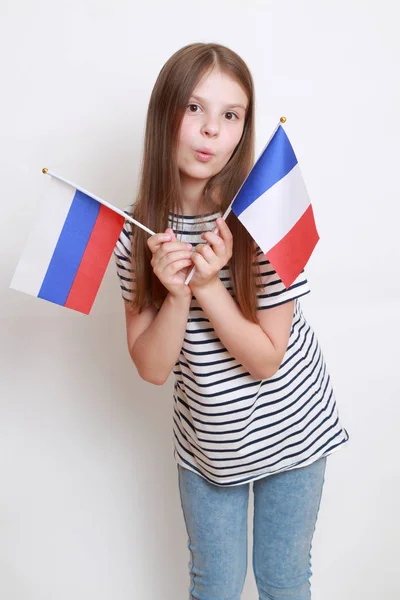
x=197, y=174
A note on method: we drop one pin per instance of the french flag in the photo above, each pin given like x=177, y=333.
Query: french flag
x=274, y=206
x=68, y=248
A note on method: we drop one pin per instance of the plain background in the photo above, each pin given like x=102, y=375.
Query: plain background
x=89, y=504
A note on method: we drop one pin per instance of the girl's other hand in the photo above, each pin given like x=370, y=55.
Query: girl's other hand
x=209, y=259
x=171, y=261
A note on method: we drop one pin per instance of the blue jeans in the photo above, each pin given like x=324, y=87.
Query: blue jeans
x=286, y=506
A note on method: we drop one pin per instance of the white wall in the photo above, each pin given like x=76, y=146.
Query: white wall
x=89, y=503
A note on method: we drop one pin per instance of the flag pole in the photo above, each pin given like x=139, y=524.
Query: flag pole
x=228, y=210
x=114, y=208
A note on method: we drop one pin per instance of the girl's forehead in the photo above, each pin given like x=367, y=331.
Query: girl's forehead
x=216, y=78
x=220, y=86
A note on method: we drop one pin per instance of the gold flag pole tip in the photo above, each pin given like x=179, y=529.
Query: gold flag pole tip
x=44, y=170
x=283, y=119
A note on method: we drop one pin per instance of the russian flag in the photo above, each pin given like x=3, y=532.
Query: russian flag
x=68, y=248
x=274, y=206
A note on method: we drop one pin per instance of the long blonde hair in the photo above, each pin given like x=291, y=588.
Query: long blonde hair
x=159, y=188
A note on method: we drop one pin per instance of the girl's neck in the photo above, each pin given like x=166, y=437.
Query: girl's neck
x=193, y=201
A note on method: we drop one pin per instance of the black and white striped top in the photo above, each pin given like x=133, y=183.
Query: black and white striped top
x=227, y=426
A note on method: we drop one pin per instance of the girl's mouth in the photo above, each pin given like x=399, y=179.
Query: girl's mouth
x=203, y=156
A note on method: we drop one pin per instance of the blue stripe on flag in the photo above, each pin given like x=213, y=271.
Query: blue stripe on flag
x=275, y=162
x=70, y=247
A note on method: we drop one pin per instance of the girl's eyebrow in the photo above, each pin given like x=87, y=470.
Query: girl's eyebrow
x=204, y=101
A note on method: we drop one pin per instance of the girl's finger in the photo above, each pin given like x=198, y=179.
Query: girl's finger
x=224, y=231
x=217, y=243
x=173, y=257
x=170, y=232
x=155, y=241
x=179, y=265
x=170, y=248
x=200, y=262
x=204, y=250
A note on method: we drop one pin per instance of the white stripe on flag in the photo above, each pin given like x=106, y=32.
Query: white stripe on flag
x=43, y=237
x=274, y=213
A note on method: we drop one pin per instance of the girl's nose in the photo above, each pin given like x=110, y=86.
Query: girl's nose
x=210, y=128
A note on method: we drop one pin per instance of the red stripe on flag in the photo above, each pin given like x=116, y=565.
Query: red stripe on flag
x=95, y=259
x=290, y=255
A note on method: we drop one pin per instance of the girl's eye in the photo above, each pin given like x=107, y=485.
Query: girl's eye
x=227, y=113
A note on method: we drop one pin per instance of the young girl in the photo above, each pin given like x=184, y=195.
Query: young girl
x=253, y=400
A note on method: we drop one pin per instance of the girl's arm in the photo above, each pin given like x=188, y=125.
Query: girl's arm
x=155, y=338
x=260, y=348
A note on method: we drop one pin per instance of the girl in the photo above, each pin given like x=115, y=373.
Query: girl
x=253, y=401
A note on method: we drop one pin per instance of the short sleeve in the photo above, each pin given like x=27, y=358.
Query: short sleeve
x=271, y=289
x=122, y=256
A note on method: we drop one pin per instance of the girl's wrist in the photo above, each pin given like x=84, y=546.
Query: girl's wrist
x=180, y=299
x=206, y=288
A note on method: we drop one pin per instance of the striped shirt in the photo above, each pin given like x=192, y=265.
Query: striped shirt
x=228, y=427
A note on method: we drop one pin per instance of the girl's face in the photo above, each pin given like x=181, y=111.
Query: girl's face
x=213, y=122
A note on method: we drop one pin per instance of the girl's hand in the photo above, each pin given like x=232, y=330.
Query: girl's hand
x=209, y=259
x=171, y=261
